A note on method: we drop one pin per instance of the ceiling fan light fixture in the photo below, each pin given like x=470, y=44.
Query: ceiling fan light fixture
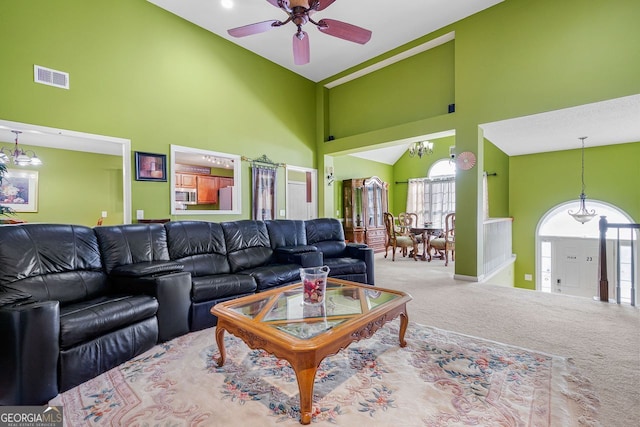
x=299, y=12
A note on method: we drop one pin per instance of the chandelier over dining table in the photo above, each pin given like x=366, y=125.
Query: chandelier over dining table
x=421, y=148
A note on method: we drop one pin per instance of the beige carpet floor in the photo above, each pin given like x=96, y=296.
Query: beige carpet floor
x=602, y=339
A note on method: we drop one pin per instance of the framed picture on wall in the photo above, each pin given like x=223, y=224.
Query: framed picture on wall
x=19, y=190
x=151, y=167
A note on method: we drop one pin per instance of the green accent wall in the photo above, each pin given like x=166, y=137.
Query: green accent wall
x=517, y=58
x=496, y=164
x=348, y=167
x=539, y=182
x=141, y=73
x=418, y=87
x=75, y=187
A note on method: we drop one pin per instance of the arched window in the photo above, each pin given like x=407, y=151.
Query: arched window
x=442, y=168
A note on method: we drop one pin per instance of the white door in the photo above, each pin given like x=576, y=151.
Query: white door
x=574, y=268
x=301, y=193
x=297, y=206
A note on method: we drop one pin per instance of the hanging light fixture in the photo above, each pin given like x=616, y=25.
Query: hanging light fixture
x=583, y=215
x=421, y=148
x=17, y=155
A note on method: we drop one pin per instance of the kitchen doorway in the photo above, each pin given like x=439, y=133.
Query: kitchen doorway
x=301, y=193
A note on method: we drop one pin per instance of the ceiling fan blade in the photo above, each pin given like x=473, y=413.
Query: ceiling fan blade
x=275, y=3
x=258, y=27
x=323, y=4
x=345, y=31
x=301, y=54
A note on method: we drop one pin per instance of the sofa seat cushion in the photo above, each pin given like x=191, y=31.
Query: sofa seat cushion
x=206, y=288
x=343, y=266
x=273, y=275
x=87, y=320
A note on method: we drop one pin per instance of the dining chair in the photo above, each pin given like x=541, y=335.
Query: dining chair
x=447, y=242
x=409, y=220
x=395, y=239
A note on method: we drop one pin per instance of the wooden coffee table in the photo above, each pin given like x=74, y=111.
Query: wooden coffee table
x=277, y=322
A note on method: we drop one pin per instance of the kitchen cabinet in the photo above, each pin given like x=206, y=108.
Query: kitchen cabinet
x=207, y=189
x=185, y=180
x=364, y=202
x=225, y=181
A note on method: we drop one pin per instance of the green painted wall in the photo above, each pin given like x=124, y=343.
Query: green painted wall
x=497, y=162
x=75, y=187
x=539, y=182
x=347, y=167
x=418, y=87
x=141, y=73
x=517, y=58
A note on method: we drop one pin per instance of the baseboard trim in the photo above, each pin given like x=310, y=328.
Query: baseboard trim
x=467, y=278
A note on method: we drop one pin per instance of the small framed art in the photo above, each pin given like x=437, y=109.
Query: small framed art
x=150, y=166
x=19, y=190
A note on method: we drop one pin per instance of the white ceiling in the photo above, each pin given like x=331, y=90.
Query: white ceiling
x=614, y=121
x=392, y=26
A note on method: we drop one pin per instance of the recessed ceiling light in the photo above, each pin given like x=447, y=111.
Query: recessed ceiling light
x=227, y=4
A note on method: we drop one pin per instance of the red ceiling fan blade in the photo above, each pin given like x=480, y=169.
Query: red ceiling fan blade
x=285, y=3
x=323, y=4
x=258, y=27
x=301, y=54
x=345, y=31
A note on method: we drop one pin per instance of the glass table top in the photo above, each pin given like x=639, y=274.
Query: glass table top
x=286, y=312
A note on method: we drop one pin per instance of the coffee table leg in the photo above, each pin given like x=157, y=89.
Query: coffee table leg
x=306, y=375
x=220, y=342
x=404, y=322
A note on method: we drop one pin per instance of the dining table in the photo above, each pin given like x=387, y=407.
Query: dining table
x=427, y=232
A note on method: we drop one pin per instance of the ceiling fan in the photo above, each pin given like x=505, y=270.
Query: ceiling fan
x=300, y=12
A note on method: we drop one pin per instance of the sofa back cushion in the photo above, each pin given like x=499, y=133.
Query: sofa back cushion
x=199, y=246
x=132, y=243
x=248, y=244
x=327, y=235
x=286, y=233
x=52, y=262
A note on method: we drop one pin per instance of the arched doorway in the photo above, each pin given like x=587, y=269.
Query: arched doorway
x=567, y=252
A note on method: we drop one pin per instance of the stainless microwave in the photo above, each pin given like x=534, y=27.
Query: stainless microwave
x=186, y=196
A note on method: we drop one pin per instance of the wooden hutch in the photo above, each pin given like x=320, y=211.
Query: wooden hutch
x=364, y=201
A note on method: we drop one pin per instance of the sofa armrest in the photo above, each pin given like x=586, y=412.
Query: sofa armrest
x=303, y=255
x=10, y=296
x=173, y=292
x=150, y=268
x=29, y=352
x=365, y=253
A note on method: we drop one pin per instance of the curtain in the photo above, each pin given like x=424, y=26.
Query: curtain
x=264, y=192
x=432, y=199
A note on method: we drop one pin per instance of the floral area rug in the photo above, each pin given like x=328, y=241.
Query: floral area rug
x=439, y=379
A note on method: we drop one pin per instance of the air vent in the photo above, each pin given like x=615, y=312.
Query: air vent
x=50, y=77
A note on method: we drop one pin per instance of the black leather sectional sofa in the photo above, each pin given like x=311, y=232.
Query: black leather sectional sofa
x=77, y=301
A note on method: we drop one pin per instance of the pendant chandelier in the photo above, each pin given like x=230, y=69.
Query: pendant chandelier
x=583, y=215
x=17, y=155
x=421, y=148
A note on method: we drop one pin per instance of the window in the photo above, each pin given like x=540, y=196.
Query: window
x=434, y=197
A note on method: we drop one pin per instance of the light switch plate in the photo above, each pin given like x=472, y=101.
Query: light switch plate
x=104, y=214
